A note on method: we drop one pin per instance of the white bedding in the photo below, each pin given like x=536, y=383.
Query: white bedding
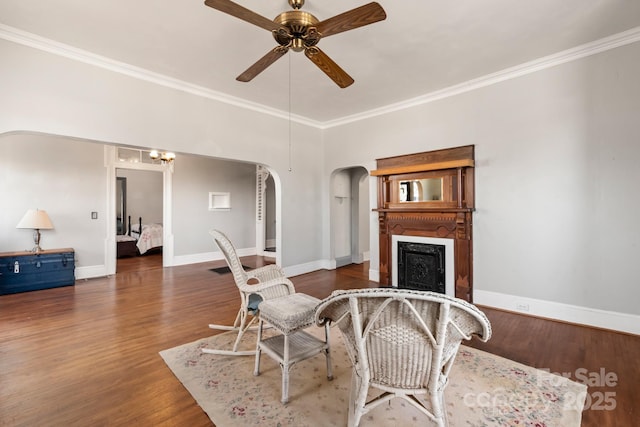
x=151, y=236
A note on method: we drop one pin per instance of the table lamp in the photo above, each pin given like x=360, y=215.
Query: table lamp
x=36, y=220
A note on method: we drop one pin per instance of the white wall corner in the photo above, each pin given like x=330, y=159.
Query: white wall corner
x=621, y=322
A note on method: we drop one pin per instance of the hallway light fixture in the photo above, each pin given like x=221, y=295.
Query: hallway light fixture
x=36, y=220
x=164, y=157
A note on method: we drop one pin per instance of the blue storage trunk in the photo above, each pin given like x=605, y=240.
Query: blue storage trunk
x=28, y=271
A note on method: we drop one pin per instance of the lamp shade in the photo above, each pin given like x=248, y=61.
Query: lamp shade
x=36, y=220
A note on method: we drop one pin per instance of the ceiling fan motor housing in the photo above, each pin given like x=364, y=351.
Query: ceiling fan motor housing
x=297, y=23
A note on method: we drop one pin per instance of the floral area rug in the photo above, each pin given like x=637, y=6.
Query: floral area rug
x=483, y=390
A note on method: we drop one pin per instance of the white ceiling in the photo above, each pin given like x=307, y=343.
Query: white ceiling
x=423, y=46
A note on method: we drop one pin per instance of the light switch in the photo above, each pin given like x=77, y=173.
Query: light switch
x=94, y=215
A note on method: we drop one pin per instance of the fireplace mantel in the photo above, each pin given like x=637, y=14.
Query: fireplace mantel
x=445, y=213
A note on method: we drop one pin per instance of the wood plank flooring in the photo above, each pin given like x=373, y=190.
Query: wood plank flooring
x=87, y=355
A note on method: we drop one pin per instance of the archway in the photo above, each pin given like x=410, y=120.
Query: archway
x=349, y=192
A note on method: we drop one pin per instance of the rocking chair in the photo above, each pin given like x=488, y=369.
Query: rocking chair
x=260, y=284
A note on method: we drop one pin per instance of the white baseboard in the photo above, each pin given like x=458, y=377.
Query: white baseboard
x=374, y=275
x=296, y=270
x=208, y=256
x=90, y=272
x=93, y=271
x=342, y=261
x=195, y=258
x=293, y=270
x=623, y=322
x=357, y=259
x=360, y=258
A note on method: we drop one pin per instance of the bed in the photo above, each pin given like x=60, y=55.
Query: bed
x=140, y=239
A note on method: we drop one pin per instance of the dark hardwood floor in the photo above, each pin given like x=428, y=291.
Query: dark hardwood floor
x=87, y=355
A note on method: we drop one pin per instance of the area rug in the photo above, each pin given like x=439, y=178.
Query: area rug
x=484, y=390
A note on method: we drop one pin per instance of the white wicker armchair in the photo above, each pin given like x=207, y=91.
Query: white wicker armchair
x=402, y=342
x=260, y=284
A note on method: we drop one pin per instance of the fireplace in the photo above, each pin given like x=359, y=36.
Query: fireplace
x=423, y=263
x=439, y=212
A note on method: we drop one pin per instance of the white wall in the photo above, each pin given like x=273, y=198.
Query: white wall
x=46, y=93
x=556, y=177
x=193, y=178
x=64, y=177
x=68, y=179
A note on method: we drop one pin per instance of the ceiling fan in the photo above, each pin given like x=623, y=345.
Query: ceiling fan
x=301, y=31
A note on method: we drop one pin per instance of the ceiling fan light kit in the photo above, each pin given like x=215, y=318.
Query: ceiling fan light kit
x=301, y=31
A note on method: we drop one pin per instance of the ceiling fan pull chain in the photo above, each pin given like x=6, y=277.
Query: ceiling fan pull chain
x=290, y=169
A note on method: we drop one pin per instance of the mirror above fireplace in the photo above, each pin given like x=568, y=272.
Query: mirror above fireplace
x=435, y=189
x=420, y=190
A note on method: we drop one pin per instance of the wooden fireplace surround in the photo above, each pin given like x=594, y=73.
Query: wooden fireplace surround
x=450, y=217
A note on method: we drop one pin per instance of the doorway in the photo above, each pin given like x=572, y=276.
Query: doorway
x=139, y=212
x=266, y=213
x=129, y=164
x=270, y=217
x=350, y=216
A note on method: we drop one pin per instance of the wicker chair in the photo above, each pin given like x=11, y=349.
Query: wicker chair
x=260, y=284
x=401, y=342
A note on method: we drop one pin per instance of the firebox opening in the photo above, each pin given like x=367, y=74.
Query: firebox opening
x=429, y=269
x=421, y=266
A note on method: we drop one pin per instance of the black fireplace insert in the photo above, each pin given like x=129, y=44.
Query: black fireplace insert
x=421, y=266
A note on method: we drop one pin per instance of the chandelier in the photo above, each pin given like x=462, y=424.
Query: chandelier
x=164, y=157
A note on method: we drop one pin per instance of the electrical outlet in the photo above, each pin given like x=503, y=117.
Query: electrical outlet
x=522, y=306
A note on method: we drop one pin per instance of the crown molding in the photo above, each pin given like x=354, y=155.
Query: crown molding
x=41, y=43
x=32, y=40
x=588, y=49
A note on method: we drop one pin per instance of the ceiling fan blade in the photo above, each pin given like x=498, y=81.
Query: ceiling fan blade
x=243, y=13
x=262, y=63
x=354, y=18
x=330, y=68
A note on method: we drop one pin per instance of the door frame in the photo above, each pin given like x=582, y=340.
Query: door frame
x=111, y=164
